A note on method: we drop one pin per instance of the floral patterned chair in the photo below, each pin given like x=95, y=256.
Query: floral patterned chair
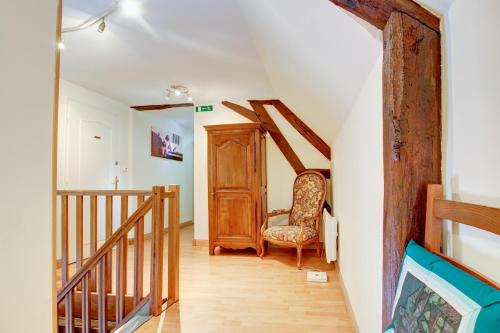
x=309, y=192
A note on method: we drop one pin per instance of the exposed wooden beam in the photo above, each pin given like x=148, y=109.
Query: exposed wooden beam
x=277, y=136
x=247, y=113
x=377, y=12
x=303, y=129
x=412, y=138
x=161, y=106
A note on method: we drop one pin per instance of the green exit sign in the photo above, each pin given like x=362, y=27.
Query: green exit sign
x=204, y=108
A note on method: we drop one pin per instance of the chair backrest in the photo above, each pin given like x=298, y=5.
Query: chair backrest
x=309, y=191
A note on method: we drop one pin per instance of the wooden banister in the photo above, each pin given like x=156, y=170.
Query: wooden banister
x=139, y=257
x=105, y=249
x=64, y=239
x=93, y=239
x=102, y=297
x=109, y=232
x=79, y=231
x=121, y=264
x=88, y=293
x=86, y=303
x=173, y=244
x=157, y=251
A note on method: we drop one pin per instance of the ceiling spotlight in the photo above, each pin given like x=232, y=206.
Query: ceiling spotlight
x=101, y=27
x=61, y=45
x=167, y=96
x=130, y=8
x=190, y=98
x=177, y=92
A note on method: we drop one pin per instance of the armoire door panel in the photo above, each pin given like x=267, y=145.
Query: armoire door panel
x=234, y=216
x=233, y=162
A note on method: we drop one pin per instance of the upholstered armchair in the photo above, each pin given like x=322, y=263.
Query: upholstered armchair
x=309, y=190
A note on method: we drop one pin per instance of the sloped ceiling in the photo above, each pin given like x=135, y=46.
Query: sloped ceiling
x=308, y=53
x=316, y=56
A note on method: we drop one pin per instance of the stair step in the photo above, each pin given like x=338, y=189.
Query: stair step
x=94, y=325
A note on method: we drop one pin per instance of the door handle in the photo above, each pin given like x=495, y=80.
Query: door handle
x=115, y=182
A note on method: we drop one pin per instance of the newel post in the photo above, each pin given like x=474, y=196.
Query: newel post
x=173, y=244
x=157, y=231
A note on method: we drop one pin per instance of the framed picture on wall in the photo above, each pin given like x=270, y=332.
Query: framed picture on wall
x=166, y=144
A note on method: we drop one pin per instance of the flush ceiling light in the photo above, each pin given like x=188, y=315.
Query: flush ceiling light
x=178, y=90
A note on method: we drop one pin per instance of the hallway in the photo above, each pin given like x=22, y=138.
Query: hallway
x=238, y=292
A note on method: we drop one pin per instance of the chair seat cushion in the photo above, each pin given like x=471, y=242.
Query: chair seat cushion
x=288, y=233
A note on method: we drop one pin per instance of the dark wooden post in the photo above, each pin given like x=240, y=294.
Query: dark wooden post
x=412, y=138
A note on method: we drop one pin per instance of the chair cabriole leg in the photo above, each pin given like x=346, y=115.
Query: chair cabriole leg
x=299, y=256
x=318, y=248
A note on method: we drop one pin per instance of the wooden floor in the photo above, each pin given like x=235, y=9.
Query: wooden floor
x=235, y=291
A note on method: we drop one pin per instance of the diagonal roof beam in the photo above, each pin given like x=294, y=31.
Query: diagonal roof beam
x=262, y=116
x=247, y=113
x=377, y=12
x=303, y=129
x=277, y=136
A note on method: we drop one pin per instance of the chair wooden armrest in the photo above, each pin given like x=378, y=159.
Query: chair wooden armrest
x=278, y=212
x=274, y=213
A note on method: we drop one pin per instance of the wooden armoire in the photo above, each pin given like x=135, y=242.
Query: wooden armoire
x=237, y=185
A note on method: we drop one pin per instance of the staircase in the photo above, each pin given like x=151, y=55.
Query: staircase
x=95, y=297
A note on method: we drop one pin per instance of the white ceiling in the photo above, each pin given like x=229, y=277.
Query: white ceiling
x=309, y=53
x=201, y=44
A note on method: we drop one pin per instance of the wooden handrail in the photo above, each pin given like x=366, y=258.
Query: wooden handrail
x=107, y=247
x=104, y=192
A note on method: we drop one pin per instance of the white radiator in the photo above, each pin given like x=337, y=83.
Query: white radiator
x=330, y=233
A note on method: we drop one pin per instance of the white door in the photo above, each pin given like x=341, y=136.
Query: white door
x=92, y=148
x=96, y=160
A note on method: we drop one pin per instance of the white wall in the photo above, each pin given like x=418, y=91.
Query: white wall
x=471, y=146
x=280, y=175
x=27, y=67
x=148, y=171
x=358, y=186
